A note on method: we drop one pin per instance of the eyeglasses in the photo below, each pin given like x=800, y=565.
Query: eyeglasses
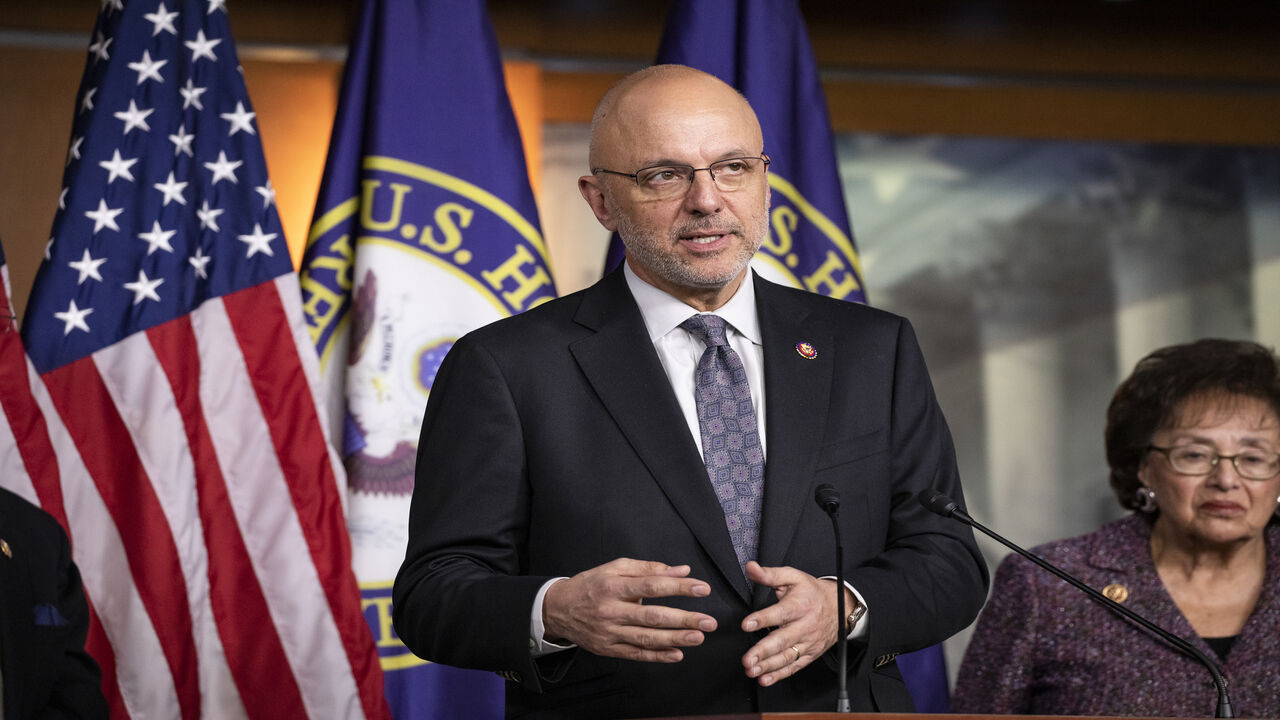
x=665, y=181
x=1252, y=464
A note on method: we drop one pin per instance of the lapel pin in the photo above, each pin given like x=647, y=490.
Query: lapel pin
x=806, y=350
x=1116, y=592
x=4, y=548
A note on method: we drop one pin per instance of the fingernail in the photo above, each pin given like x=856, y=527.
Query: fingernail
x=767, y=680
x=701, y=590
x=750, y=625
x=693, y=638
x=707, y=625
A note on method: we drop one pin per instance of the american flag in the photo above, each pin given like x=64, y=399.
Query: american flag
x=204, y=503
x=26, y=455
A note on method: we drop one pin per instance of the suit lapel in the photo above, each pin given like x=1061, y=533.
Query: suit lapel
x=797, y=395
x=621, y=365
x=1124, y=553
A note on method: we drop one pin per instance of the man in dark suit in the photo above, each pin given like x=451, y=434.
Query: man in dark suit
x=44, y=618
x=592, y=521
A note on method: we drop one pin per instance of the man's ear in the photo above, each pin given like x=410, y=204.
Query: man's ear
x=589, y=186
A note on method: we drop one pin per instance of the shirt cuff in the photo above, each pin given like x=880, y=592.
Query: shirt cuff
x=538, y=646
x=860, y=629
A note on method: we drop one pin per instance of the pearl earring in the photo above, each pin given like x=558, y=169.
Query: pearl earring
x=1147, y=500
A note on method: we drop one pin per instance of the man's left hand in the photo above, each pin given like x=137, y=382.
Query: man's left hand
x=803, y=622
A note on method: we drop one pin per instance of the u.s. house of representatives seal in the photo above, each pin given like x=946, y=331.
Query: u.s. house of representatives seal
x=398, y=273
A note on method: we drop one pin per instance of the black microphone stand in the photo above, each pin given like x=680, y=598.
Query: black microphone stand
x=829, y=500
x=946, y=507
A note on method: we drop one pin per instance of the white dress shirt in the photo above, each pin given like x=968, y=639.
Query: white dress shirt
x=679, y=350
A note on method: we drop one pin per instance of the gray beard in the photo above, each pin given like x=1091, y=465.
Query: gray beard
x=643, y=247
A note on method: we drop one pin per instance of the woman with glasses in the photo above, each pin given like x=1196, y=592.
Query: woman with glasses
x=1192, y=439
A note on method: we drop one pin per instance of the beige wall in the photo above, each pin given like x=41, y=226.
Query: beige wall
x=37, y=96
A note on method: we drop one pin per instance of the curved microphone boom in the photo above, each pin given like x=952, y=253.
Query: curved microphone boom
x=946, y=507
x=828, y=498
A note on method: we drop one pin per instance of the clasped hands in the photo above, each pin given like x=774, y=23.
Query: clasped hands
x=603, y=610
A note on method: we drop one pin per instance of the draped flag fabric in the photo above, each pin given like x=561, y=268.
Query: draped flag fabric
x=27, y=463
x=192, y=470
x=425, y=228
x=761, y=47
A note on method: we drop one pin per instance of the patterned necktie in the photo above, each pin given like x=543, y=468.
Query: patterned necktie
x=730, y=440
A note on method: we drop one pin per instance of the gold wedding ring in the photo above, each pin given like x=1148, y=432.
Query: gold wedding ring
x=797, y=650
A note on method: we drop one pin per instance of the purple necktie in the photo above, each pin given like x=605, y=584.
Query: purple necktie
x=730, y=440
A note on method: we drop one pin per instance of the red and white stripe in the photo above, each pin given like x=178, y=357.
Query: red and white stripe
x=26, y=457
x=206, y=515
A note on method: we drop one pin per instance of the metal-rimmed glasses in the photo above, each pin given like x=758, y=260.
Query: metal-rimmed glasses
x=665, y=181
x=1251, y=464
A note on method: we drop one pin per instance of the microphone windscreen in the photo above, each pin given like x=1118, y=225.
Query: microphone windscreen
x=827, y=497
x=938, y=502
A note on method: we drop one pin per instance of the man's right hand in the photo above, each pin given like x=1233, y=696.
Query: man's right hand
x=602, y=610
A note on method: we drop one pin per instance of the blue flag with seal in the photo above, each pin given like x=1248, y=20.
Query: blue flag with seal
x=761, y=47
x=425, y=228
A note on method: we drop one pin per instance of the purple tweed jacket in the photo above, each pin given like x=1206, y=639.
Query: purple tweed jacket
x=1041, y=647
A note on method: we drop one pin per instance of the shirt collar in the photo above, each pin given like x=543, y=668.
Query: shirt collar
x=662, y=312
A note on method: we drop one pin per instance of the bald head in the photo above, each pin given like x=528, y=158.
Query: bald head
x=693, y=240
x=644, y=101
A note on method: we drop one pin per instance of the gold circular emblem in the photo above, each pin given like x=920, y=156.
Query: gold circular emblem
x=1116, y=592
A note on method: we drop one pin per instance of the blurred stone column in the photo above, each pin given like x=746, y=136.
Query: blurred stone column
x=1024, y=388
x=1262, y=198
x=1046, y=403
x=1154, y=305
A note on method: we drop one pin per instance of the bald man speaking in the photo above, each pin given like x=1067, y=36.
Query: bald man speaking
x=614, y=492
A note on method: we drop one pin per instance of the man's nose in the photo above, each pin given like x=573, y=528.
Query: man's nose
x=703, y=196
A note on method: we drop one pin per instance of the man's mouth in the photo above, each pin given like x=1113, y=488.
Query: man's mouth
x=704, y=237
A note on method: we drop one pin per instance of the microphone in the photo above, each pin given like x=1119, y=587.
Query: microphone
x=946, y=507
x=828, y=498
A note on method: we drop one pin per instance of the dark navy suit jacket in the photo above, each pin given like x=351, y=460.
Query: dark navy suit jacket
x=553, y=442
x=43, y=620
